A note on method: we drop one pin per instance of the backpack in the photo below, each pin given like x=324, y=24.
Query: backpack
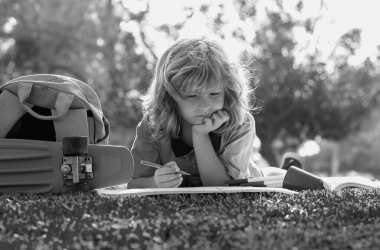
x=49, y=107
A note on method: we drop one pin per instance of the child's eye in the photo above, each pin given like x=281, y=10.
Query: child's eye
x=215, y=93
x=191, y=96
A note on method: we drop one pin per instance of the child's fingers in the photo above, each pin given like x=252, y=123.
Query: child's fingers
x=170, y=164
x=168, y=180
x=172, y=183
x=216, y=116
x=168, y=177
x=219, y=117
x=211, y=123
x=207, y=122
x=223, y=115
x=165, y=170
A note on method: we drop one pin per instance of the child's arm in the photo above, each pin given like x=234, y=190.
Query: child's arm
x=211, y=169
x=146, y=148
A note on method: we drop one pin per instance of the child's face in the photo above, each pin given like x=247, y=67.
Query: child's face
x=195, y=106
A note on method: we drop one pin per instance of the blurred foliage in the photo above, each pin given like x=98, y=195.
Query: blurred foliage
x=88, y=40
x=82, y=39
x=358, y=152
x=303, y=101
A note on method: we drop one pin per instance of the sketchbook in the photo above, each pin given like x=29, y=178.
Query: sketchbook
x=192, y=190
x=296, y=180
x=338, y=183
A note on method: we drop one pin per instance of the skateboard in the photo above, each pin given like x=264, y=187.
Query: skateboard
x=32, y=166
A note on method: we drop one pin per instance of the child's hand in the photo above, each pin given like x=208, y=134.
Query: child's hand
x=212, y=123
x=168, y=176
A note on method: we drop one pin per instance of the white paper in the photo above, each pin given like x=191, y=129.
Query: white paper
x=192, y=190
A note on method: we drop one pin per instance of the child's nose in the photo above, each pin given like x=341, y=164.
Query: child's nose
x=205, y=104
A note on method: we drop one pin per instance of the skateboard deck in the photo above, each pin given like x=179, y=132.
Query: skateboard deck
x=31, y=166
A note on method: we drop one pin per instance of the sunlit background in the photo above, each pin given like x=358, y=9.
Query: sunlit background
x=316, y=62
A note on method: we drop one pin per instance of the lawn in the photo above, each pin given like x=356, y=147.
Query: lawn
x=309, y=220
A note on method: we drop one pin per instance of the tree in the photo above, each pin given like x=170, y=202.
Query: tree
x=304, y=101
x=82, y=39
x=88, y=40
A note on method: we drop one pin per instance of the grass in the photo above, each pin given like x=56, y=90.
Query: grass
x=310, y=220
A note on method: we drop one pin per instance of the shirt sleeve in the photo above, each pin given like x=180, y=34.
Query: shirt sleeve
x=237, y=156
x=144, y=147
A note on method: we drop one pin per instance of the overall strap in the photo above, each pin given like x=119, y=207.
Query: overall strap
x=73, y=123
x=10, y=112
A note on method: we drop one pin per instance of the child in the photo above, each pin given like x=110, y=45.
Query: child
x=196, y=119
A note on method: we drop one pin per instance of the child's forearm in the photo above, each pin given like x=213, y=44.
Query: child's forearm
x=142, y=182
x=211, y=169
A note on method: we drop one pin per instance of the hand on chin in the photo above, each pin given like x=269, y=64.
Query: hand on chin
x=212, y=123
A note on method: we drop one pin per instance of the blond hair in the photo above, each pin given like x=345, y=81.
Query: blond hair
x=195, y=64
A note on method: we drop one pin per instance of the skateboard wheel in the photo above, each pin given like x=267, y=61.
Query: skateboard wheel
x=74, y=146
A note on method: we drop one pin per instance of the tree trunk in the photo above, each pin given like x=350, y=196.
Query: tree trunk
x=335, y=159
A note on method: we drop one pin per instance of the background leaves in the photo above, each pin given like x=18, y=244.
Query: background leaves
x=113, y=46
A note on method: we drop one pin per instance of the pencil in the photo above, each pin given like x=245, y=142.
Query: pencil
x=154, y=165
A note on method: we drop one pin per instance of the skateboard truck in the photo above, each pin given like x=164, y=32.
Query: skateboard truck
x=76, y=164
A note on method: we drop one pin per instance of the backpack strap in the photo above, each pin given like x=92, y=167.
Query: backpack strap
x=10, y=112
x=91, y=129
x=105, y=132
x=62, y=103
x=73, y=123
